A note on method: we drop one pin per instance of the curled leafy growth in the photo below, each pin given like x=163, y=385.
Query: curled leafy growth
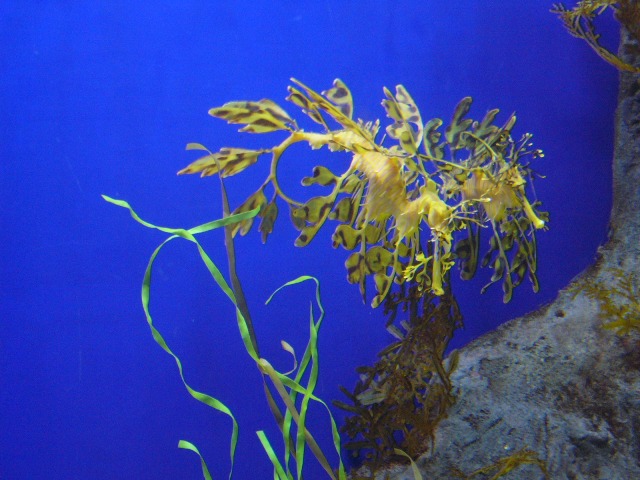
x=580, y=22
x=397, y=202
x=506, y=465
x=399, y=401
x=617, y=299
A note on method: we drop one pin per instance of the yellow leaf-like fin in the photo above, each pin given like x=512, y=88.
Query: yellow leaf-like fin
x=258, y=117
x=407, y=127
x=256, y=200
x=334, y=111
x=356, y=271
x=340, y=95
x=378, y=259
x=344, y=211
x=268, y=217
x=196, y=146
x=299, y=99
x=459, y=124
x=228, y=161
x=315, y=209
x=432, y=145
x=467, y=251
x=346, y=236
x=321, y=176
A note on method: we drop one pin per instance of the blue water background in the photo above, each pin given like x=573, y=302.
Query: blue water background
x=102, y=97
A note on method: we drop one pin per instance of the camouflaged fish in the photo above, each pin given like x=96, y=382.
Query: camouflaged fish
x=400, y=205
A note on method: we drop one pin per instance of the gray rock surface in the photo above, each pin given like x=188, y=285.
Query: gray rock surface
x=554, y=381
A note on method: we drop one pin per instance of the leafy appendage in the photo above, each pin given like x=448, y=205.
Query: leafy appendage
x=256, y=200
x=258, y=117
x=407, y=128
x=395, y=202
x=228, y=161
x=341, y=97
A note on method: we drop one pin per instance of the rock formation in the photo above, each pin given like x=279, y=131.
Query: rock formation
x=554, y=381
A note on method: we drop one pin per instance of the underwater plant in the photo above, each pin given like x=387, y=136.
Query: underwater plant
x=617, y=300
x=409, y=206
x=580, y=22
x=474, y=175
x=289, y=386
x=399, y=401
x=505, y=465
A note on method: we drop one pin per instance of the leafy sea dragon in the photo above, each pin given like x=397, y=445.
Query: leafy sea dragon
x=473, y=177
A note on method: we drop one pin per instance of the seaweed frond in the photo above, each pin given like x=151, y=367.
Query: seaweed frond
x=400, y=400
x=580, y=22
x=617, y=299
x=505, y=465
